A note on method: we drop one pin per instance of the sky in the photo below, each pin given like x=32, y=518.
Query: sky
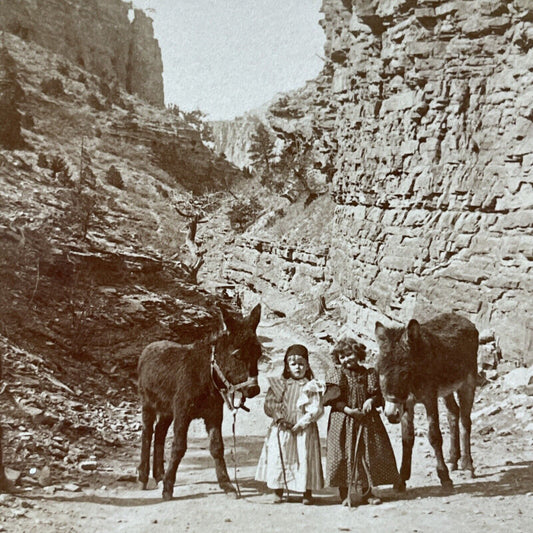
x=226, y=57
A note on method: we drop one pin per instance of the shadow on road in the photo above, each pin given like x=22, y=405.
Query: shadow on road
x=504, y=480
x=517, y=479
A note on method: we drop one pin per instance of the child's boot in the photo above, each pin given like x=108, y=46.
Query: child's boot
x=369, y=498
x=343, y=492
x=307, y=498
x=278, y=496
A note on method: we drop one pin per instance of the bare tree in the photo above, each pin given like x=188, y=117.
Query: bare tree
x=197, y=255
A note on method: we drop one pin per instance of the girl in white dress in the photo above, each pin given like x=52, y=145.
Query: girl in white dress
x=290, y=458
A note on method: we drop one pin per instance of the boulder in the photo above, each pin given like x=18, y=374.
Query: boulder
x=520, y=377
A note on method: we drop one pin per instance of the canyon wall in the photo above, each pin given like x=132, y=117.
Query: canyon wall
x=425, y=111
x=95, y=34
x=233, y=139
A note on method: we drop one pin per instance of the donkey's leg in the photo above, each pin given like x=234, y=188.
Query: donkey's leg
x=466, y=400
x=435, y=439
x=148, y=419
x=161, y=429
x=453, y=423
x=408, y=439
x=179, y=447
x=213, y=424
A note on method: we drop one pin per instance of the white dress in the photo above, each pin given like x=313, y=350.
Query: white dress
x=299, y=402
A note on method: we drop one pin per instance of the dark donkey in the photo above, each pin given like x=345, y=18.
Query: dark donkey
x=419, y=363
x=179, y=383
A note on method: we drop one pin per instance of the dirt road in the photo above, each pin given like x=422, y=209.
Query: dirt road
x=108, y=500
x=500, y=498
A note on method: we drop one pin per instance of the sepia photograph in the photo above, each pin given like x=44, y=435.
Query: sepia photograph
x=266, y=266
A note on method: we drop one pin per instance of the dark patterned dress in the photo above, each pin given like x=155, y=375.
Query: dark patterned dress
x=351, y=388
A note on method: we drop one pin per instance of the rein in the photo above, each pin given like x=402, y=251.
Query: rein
x=228, y=390
x=354, y=477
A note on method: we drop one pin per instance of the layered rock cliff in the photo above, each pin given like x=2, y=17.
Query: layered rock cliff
x=233, y=139
x=424, y=110
x=95, y=34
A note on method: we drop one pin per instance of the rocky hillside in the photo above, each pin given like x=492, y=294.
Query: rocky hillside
x=96, y=201
x=99, y=189
x=96, y=35
x=422, y=119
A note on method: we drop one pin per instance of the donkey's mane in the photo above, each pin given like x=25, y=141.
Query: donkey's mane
x=208, y=339
x=395, y=333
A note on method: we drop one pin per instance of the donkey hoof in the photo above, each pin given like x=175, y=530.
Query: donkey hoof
x=453, y=464
x=400, y=486
x=447, y=485
x=229, y=489
x=151, y=484
x=465, y=464
x=167, y=496
x=6, y=485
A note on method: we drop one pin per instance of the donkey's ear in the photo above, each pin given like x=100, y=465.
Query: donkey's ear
x=255, y=316
x=413, y=331
x=229, y=321
x=380, y=332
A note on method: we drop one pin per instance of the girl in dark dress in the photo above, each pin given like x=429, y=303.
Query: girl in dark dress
x=354, y=394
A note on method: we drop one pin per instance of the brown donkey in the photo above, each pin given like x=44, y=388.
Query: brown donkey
x=179, y=383
x=419, y=363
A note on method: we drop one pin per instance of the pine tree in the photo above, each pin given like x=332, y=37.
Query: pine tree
x=261, y=150
x=295, y=161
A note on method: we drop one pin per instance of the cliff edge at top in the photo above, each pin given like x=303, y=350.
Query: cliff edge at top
x=95, y=34
x=422, y=121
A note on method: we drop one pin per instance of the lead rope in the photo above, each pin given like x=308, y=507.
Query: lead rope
x=230, y=403
x=354, y=473
x=234, y=453
x=282, y=463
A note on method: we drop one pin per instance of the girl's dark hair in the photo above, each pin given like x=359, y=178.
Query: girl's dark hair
x=296, y=349
x=347, y=345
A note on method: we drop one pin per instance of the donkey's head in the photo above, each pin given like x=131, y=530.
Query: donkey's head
x=397, y=350
x=238, y=351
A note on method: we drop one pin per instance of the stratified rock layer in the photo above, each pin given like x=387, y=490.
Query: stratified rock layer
x=97, y=35
x=233, y=139
x=427, y=107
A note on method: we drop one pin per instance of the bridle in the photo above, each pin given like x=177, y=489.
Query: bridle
x=228, y=393
x=228, y=390
x=393, y=399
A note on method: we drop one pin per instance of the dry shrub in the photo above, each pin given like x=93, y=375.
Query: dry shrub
x=244, y=212
x=52, y=87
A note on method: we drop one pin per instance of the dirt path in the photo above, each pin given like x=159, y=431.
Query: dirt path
x=499, y=499
x=107, y=500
